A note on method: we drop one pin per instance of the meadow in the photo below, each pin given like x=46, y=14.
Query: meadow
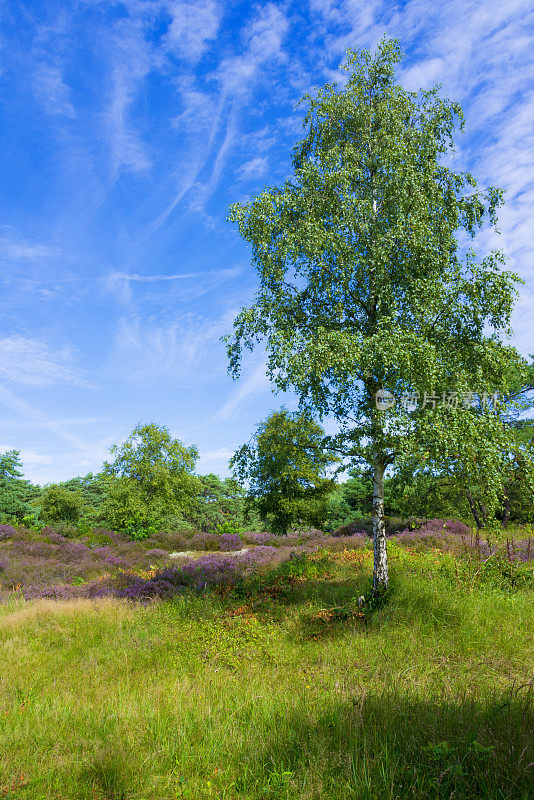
x=260, y=675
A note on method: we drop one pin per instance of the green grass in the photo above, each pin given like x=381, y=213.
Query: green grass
x=278, y=695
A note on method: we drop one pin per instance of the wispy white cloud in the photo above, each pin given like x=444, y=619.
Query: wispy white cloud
x=193, y=25
x=119, y=284
x=28, y=410
x=262, y=38
x=52, y=91
x=236, y=76
x=255, y=384
x=16, y=248
x=131, y=65
x=254, y=168
x=221, y=454
x=164, y=352
x=32, y=362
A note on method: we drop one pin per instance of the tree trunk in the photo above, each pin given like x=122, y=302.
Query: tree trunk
x=474, y=510
x=380, y=567
x=506, y=512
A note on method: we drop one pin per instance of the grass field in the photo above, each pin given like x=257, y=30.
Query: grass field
x=283, y=692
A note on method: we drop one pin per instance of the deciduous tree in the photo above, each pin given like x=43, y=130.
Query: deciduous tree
x=365, y=284
x=284, y=465
x=153, y=479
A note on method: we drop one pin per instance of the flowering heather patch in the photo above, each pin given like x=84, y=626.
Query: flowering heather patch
x=230, y=541
x=521, y=550
x=56, y=538
x=172, y=540
x=454, y=535
x=156, y=553
x=204, y=541
x=209, y=572
x=453, y=526
x=443, y=534
x=7, y=532
x=354, y=542
x=38, y=564
x=256, y=538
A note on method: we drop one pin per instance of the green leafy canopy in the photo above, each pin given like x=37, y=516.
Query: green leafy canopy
x=284, y=465
x=364, y=283
x=152, y=479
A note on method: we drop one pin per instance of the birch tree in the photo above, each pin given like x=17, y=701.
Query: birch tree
x=366, y=284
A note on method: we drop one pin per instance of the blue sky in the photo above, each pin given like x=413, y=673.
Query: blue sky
x=127, y=130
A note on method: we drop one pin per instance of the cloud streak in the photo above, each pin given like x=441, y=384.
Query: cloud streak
x=32, y=363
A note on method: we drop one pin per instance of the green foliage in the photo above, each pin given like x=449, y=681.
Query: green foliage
x=151, y=481
x=219, y=503
x=339, y=511
x=284, y=465
x=15, y=492
x=230, y=527
x=363, y=284
x=57, y=504
x=94, y=489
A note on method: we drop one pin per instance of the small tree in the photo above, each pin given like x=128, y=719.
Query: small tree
x=219, y=502
x=94, y=489
x=364, y=285
x=58, y=504
x=15, y=491
x=152, y=479
x=284, y=465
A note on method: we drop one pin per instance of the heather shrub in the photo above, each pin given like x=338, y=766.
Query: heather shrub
x=355, y=542
x=205, y=541
x=156, y=553
x=354, y=527
x=101, y=536
x=230, y=541
x=452, y=526
x=257, y=538
x=442, y=534
x=174, y=540
x=7, y=532
x=303, y=534
x=520, y=550
x=210, y=572
x=55, y=538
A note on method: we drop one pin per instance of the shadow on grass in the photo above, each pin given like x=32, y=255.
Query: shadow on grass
x=330, y=607
x=388, y=746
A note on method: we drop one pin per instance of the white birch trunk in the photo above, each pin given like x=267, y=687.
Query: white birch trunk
x=380, y=567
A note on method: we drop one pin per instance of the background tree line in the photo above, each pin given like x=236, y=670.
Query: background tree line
x=283, y=477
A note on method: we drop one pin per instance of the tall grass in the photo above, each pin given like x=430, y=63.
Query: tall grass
x=273, y=695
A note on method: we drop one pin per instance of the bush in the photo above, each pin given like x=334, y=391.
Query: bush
x=156, y=553
x=205, y=541
x=358, y=526
x=229, y=528
x=256, y=538
x=58, y=504
x=230, y=541
x=7, y=532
